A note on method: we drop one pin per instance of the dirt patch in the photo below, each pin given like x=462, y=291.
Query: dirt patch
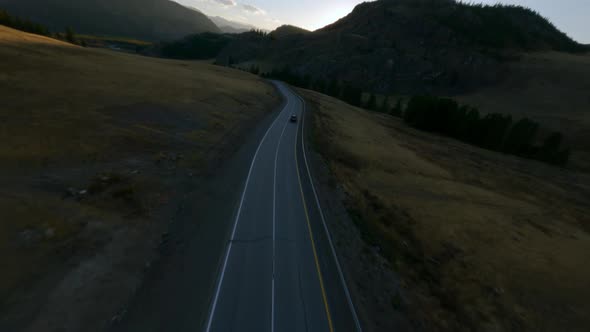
x=480, y=241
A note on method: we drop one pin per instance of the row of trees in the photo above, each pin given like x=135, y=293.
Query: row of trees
x=334, y=88
x=495, y=131
x=345, y=91
x=199, y=46
x=31, y=27
x=22, y=24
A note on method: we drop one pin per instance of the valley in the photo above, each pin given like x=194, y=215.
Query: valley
x=417, y=165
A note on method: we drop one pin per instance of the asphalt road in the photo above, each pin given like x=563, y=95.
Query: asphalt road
x=279, y=271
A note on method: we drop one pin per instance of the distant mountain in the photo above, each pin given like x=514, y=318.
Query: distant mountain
x=142, y=19
x=288, y=30
x=409, y=45
x=228, y=26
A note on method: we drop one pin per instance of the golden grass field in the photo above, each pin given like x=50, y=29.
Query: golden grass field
x=482, y=241
x=76, y=117
x=53, y=92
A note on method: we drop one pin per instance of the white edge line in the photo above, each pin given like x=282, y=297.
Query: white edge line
x=218, y=289
x=274, y=210
x=346, y=291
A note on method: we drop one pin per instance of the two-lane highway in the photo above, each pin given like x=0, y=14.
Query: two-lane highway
x=280, y=271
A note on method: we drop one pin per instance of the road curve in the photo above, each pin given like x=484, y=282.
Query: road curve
x=280, y=271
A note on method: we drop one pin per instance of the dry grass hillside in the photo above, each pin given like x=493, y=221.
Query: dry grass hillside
x=482, y=241
x=551, y=88
x=92, y=146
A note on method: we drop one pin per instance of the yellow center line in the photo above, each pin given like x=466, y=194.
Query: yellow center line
x=315, y=255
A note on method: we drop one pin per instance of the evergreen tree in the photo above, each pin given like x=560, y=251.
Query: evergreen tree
x=372, y=103
x=471, y=126
x=551, y=152
x=254, y=70
x=384, y=105
x=320, y=85
x=397, y=110
x=352, y=95
x=494, y=131
x=520, y=138
x=70, y=36
x=22, y=24
x=333, y=89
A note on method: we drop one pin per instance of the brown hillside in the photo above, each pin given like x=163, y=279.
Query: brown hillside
x=480, y=241
x=550, y=87
x=153, y=20
x=96, y=149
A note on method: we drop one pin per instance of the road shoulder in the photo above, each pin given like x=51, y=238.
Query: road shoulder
x=373, y=284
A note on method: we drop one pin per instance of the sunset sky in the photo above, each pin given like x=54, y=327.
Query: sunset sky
x=568, y=15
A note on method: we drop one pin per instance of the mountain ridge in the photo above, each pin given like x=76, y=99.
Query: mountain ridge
x=230, y=26
x=151, y=20
x=410, y=46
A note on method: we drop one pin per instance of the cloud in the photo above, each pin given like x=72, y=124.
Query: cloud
x=272, y=20
x=253, y=10
x=227, y=3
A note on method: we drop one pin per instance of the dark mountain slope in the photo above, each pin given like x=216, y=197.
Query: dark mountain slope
x=288, y=30
x=142, y=19
x=229, y=26
x=412, y=46
x=498, y=26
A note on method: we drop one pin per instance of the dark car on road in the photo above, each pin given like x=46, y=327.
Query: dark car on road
x=293, y=118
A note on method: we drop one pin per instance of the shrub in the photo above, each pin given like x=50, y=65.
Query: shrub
x=398, y=110
x=371, y=103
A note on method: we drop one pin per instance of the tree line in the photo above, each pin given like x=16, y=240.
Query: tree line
x=494, y=131
x=25, y=25
x=199, y=46
x=345, y=91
